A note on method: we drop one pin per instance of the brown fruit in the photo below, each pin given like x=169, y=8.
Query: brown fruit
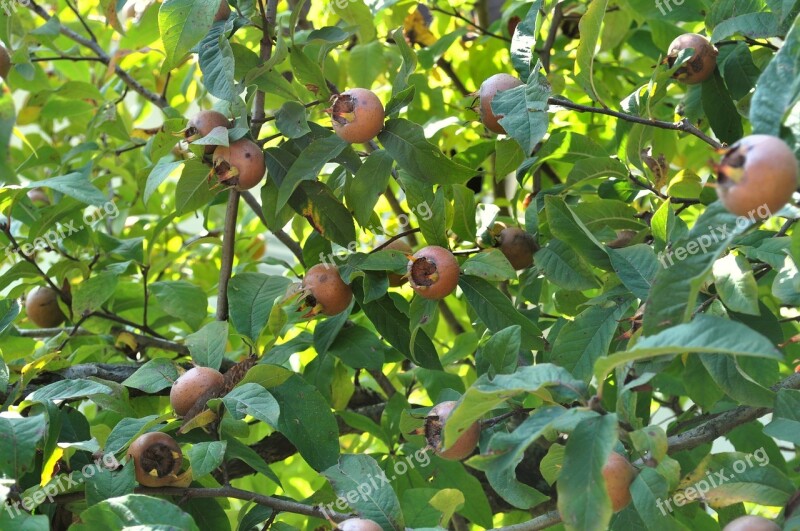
x=623, y=239
x=356, y=115
x=326, y=289
x=223, y=12
x=434, y=431
x=702, y=63
x=433, y=272
x=203, y=123
x=41, y=305
x=358, y=524
x=5, y=62
x=757, y=173
x=396, y=280
x=191, y=385
x=38, y=197
x=518, y=247
x=751, y=523
x=157, y=459
x=489, y=88
x=241, y=165
x=619, y=473
x=257, y=248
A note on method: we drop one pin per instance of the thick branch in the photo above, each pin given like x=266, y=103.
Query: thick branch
x=226, y=266
x=141, y=340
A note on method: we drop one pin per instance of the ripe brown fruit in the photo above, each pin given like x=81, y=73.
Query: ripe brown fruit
x=241, y=164
x=356, y=115
x=702, y=63
x=326, y=289
x=489, y=88
x=751, y=523
x=434, y=431
x=619, y=473
x=396, y=280
x=41, y=305
x=757, y=173
x=191, y=385
x=518, y=247
x=157, y=459
x=358, y=524
x=433, y=272
x=5, y=62
x=223, y=12
x=203, y=123
x=38, y=197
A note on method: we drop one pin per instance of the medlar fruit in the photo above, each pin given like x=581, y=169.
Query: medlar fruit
x=702, y=63
x=434, y=429
x=157, y=459
x=396, y=280
x=619, y=473
x=356, y=115
x=489, y=88
x=518, y=247
x=38, y=197
x=326, y=291
x=358, y=524
x=433, y=272
x=751, y=523
x=5, y=62
x=203, y=123
x=223, y=12
x=191, y=385
x=758, y=172
x=241, y=164
x=41, y=306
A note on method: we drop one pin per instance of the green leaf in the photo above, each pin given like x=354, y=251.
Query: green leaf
x=75, y=185
x=524, y=110
x=589, y=26
x=406, y=143
x=238, y=450
x=309, y=73
x=356, y=13
x=207, y=345
x=749, y=478
x=18, y=440
x=135, y=511
x=217, y=64
x=636, y=267
x=368, y=184
x=354, y=478
x=182, y=24
x=68, y=390
x=206, y=457
x=721, y=110
x=785, y=424
x=506, y=451
x=753, y=25
x=252, y=399
x=251, y=297
x=181, y=299
x=777, y=91
x=307, y=421
x=736, y=284
x=104, y=483
x=153, y=376
x=649, y=491
x=327, y=215
x=490, y=264
x=566, y=226
x=408, y=65
x=158, y=174
x=290, y=120
x=587, y=338
x=729, y=376
x=563, y=267
x=524, y=40
x=193, y=190
x=309, y=164
x=583, y=500
x=705, y=334
x=502, y=350
x=359, y=348
x=93, y=292
x=497, y=312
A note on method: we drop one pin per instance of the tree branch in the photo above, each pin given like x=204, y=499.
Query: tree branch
x=226, y=265
x=141, y=340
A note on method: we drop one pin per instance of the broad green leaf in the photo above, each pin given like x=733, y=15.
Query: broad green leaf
x=721, y=110
x=327, y=215
x=251, y=297
x=153, y=376
x=290, y=120
x=18, y=440
x=252, y=399
x=490, y=264
x=356, y=13
x=589, y=25
x=309, y=164
x=93, y=292
x=68, y=390
x=501, y=351
x=75, y=185
x=753, y=25
x=135, y=511
x=182, y=24
x=564, y=267
x=748, y=478
x=158, y=174
x=308, y=72
x=217, y=64
x=566, y=226
x=207, y=345
x=524, y=110
x=408, y=65
x=785, y=424
x=729, y=376
x=649, y=492
x=205, y=457
x=736, y=284
x=194, y=187
x=524, y=40
x=103, y=483
x=181, y=299
x=636, y=267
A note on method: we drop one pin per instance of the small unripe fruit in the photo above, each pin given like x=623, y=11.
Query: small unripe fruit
x=434, y=431
x=619, y=474
x=518, y=247
x=358, y=524
x=223, y=12
x=157, y=459
x=702, y=63
x=241, y=164
x=191, y=385
x=38, y=197
x=396, y=280
x=203, y=123
x=41, y=306
x=756, y=173
x=5, y=62
x=433, y=272
x=326, y=289
x=751, y=523
x=356, y=115
x=489, y=88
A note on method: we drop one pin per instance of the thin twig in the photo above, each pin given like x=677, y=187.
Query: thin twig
x=472, y=23
x=82, y=21
x=65, y=58
x=394, y=238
